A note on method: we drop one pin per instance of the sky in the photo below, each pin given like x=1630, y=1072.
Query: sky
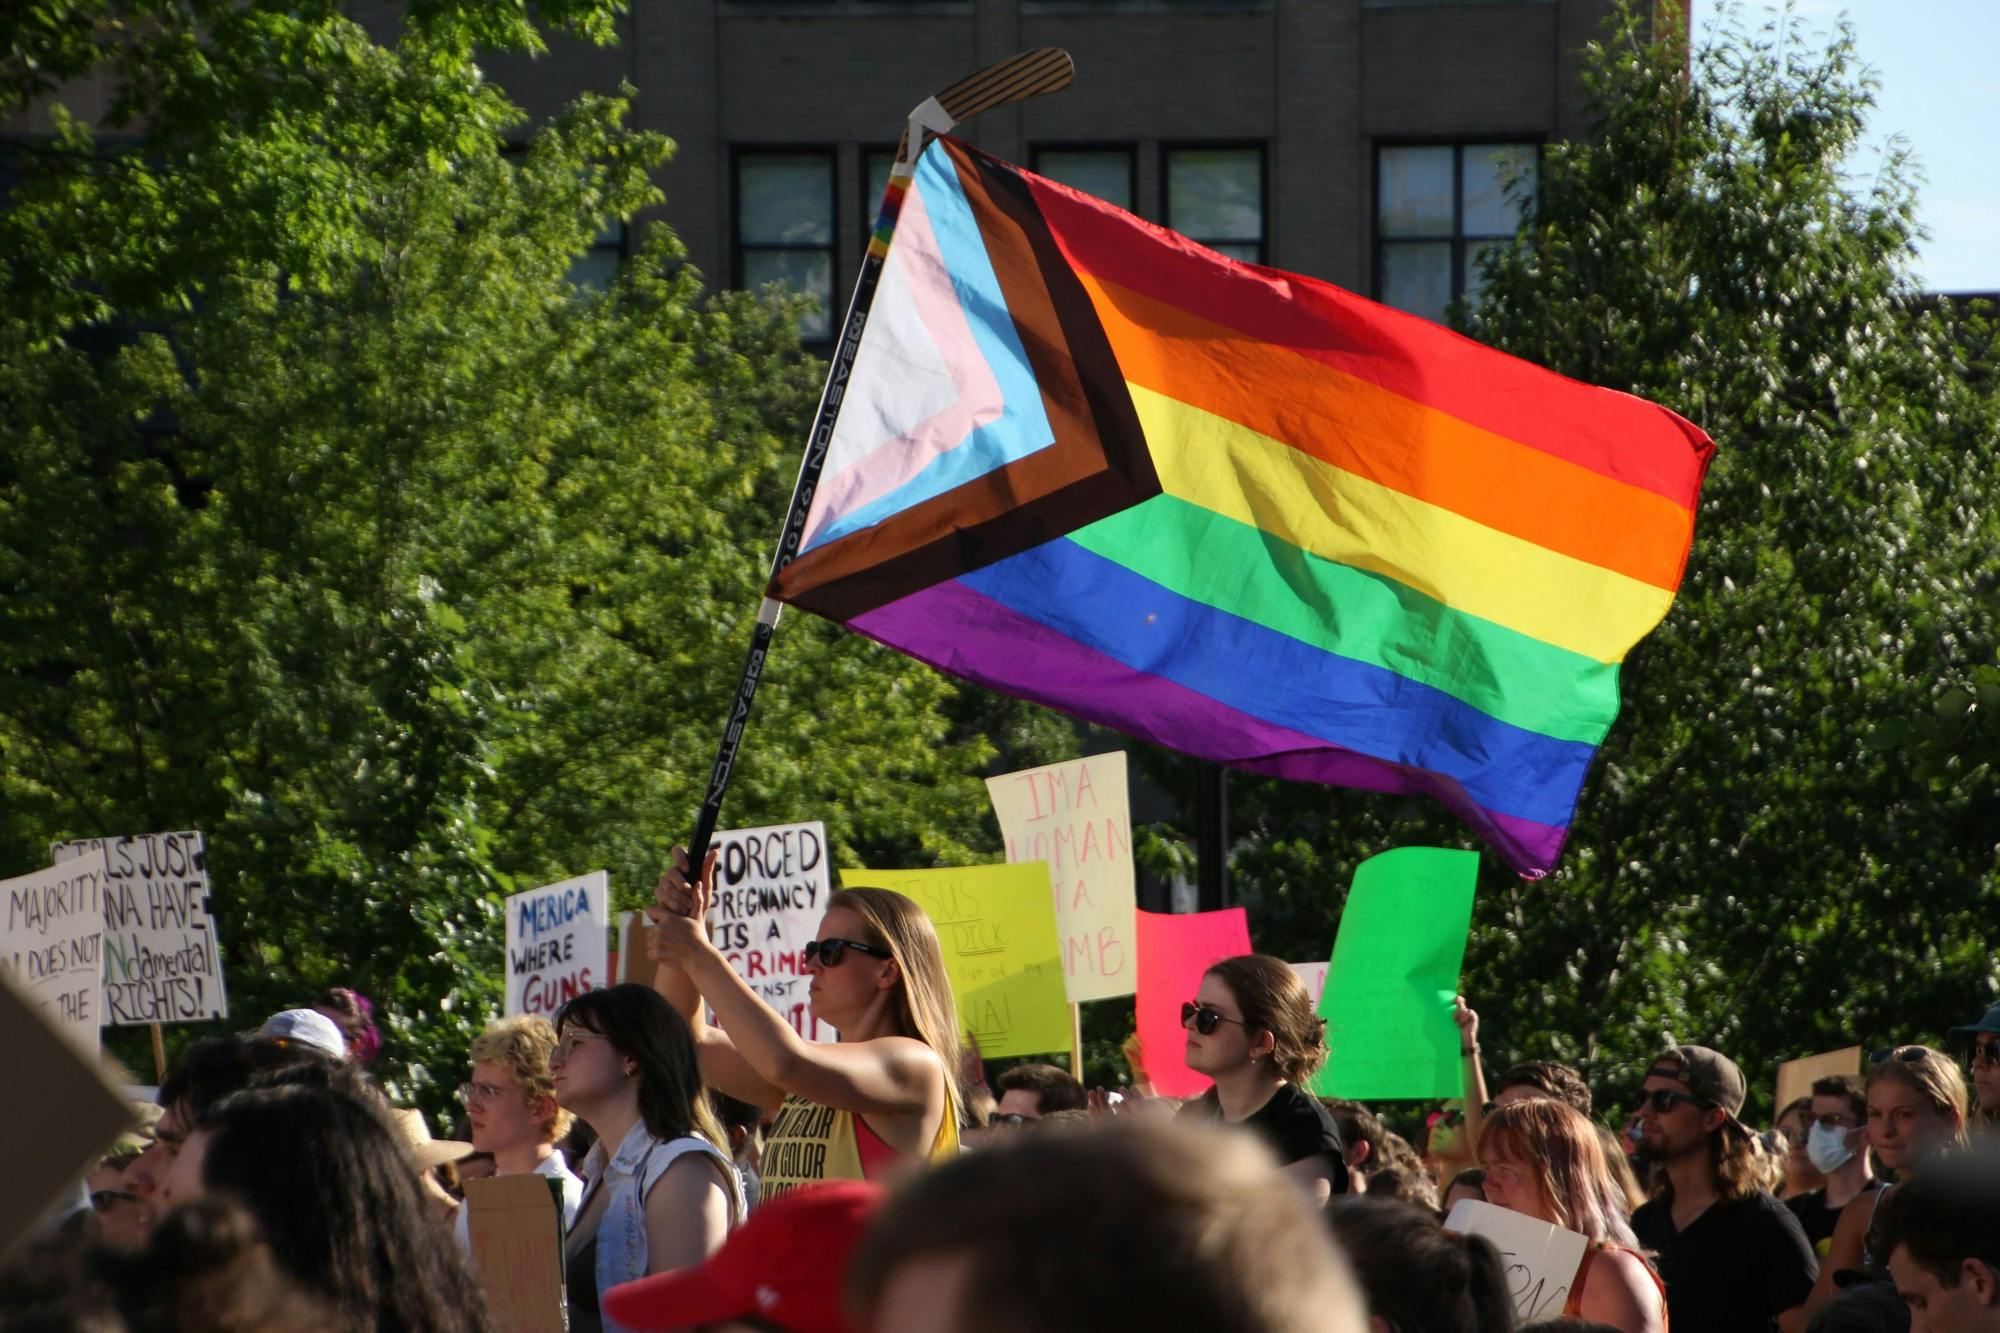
x=1940, y=90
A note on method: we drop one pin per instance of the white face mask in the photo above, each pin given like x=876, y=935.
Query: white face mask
x=1826, y=1148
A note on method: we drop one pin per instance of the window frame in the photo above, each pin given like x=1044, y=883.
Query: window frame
x=1457, y=237
x=1262, y=147
x=1128, y=147
x=738, y=247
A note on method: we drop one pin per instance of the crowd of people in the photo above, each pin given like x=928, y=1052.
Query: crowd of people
x=731, y=1175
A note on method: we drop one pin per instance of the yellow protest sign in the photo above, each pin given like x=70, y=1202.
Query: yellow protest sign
x=997, y=925
x=1077, y=817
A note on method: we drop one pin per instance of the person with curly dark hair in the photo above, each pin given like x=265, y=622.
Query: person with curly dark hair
x=1251, y=1029
x=354, y=1014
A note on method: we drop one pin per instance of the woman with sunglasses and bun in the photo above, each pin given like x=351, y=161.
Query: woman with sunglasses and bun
x=1252, y=1031
x=885, y=1094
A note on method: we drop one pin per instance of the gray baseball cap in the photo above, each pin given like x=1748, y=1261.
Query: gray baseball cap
x=1709, y=1074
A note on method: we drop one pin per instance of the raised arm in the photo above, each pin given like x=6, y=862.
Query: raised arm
x=1475, y=1077
x=721, y=1067
x=882, y=1076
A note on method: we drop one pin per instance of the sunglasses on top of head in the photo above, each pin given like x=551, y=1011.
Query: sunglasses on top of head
x=828, y=953
x=1204, y=1017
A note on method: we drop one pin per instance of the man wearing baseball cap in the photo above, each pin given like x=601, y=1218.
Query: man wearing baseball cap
x=1733, y=1257
x=780, y=1272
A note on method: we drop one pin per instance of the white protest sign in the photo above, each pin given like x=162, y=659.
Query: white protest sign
x=1540, y=1259
x=162, y=963
x=556, y=943
x=51, y=938
x=1077, y=817
x=771, y=886
x=1313, y=977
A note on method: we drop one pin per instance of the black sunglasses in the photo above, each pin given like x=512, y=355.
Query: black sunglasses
x=1204, y=1017
x=1663, y=1100
x=1989, y=1051
x=1448, y=1116
x=830, y=952
x=101, y=1200
x=1009, y=1119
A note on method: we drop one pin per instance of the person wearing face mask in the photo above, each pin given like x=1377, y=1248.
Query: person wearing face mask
x=1837, y=1145
x=1916, y=1113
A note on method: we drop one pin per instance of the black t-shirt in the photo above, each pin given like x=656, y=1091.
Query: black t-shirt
x=1820, y=1220
x=1737, y=1266
x=1293, y=1125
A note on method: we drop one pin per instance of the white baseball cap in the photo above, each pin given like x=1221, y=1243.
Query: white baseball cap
x=307, y=1027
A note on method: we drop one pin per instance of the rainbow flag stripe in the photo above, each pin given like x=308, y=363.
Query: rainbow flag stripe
x=1237, y=512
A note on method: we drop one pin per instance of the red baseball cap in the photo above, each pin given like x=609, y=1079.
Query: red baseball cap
x=785, y=1265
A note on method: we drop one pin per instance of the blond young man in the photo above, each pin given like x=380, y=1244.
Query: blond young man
x=511, y=1106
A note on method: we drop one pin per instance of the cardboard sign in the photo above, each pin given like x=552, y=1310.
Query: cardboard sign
x=633, y=964
x=1313, y=977
x=997, y=927
x=70, y=1118
x=1795, y=1077
x=1394, y=971
x=1174, y=951
x=162, y=955
x=556, y=943
x=1077, y=817
x=51, y=939
x=515, y=1223
x=771, y=887
x=1540, y=1260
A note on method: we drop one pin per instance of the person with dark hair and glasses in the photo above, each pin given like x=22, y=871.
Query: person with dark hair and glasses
x=1836, y=1139
x=1733, y=1257
x=660, y=1190
x=1251, y=1029
x=1031, y=1091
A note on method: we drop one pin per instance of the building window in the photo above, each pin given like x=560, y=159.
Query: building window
x=598, y=266
x=1109, y=173
x=784, y=228
x=1437, y=208
x=1215, y=195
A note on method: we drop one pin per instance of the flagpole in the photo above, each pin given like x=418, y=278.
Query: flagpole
x=1028, y=74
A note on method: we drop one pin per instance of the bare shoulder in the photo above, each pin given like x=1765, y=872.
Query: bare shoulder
x=1620, y=1291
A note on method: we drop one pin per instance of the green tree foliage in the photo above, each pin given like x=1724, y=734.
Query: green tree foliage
x=337, y=522
x=1746, y=869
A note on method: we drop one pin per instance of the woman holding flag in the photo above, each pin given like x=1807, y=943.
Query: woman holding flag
x=886, y=1093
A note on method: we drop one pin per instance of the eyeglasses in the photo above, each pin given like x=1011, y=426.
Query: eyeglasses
x=1663, y=1100
x=828, y=953
x=1204, y=1017
x=101, y=1200
x=1834, y=1120
x=1987, y=1052
x=1010, y=1118
x=567, y=1046
x=1448, y=1116
x=477, y=1094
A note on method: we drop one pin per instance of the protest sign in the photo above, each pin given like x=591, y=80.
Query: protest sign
x=1313, y=977
x=51, y=939
x=997, y=926
x=162, y=960
x=1173, y=952
x=1077, y=817
x=771, y=886
x=69, y=1116
x=1540, y=1260
x=1795, y=1077
x=1394, y=971
x=515, y=1223
x=556, y=943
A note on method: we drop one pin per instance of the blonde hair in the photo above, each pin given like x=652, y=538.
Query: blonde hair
x=1934, y=1076
x=1565, y=1153
x=925, y=1008
x=522, y=1044
x=1274, y=1000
